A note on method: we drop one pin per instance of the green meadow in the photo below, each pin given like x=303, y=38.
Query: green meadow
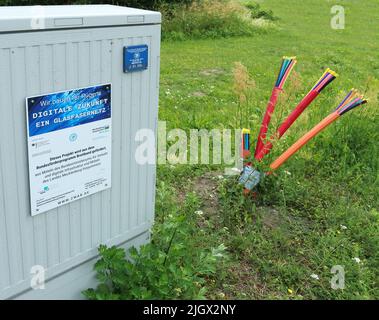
x=321, y=208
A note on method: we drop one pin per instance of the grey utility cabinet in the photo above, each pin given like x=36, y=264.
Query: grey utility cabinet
x=70, y=77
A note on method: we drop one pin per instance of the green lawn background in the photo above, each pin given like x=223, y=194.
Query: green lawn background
x=329, y=185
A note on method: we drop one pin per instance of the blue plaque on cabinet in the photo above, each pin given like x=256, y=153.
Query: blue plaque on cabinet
x=136, y=58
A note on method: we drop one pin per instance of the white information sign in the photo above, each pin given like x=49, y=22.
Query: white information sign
x=69, y=146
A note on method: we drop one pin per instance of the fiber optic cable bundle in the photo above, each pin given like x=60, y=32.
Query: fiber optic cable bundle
x=245, y=151
x=351, y=101
x=245, y=145
x=288, y=64
x=251, y=177
x=320, y=85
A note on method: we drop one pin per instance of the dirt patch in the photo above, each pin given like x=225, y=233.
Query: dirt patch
x=198, y=94
x=206, y=188
x=271, y=218
x=211, y=72
x=245, y=282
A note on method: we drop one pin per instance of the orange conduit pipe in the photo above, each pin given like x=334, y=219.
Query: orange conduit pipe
x=304, y=140
x=351, y=101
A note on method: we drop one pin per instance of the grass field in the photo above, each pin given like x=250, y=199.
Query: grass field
x=321, y=209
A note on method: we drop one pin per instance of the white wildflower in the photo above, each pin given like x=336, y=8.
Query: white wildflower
x=315, y=276
x=343, y=227
x=199, y=213
x=357, y=260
